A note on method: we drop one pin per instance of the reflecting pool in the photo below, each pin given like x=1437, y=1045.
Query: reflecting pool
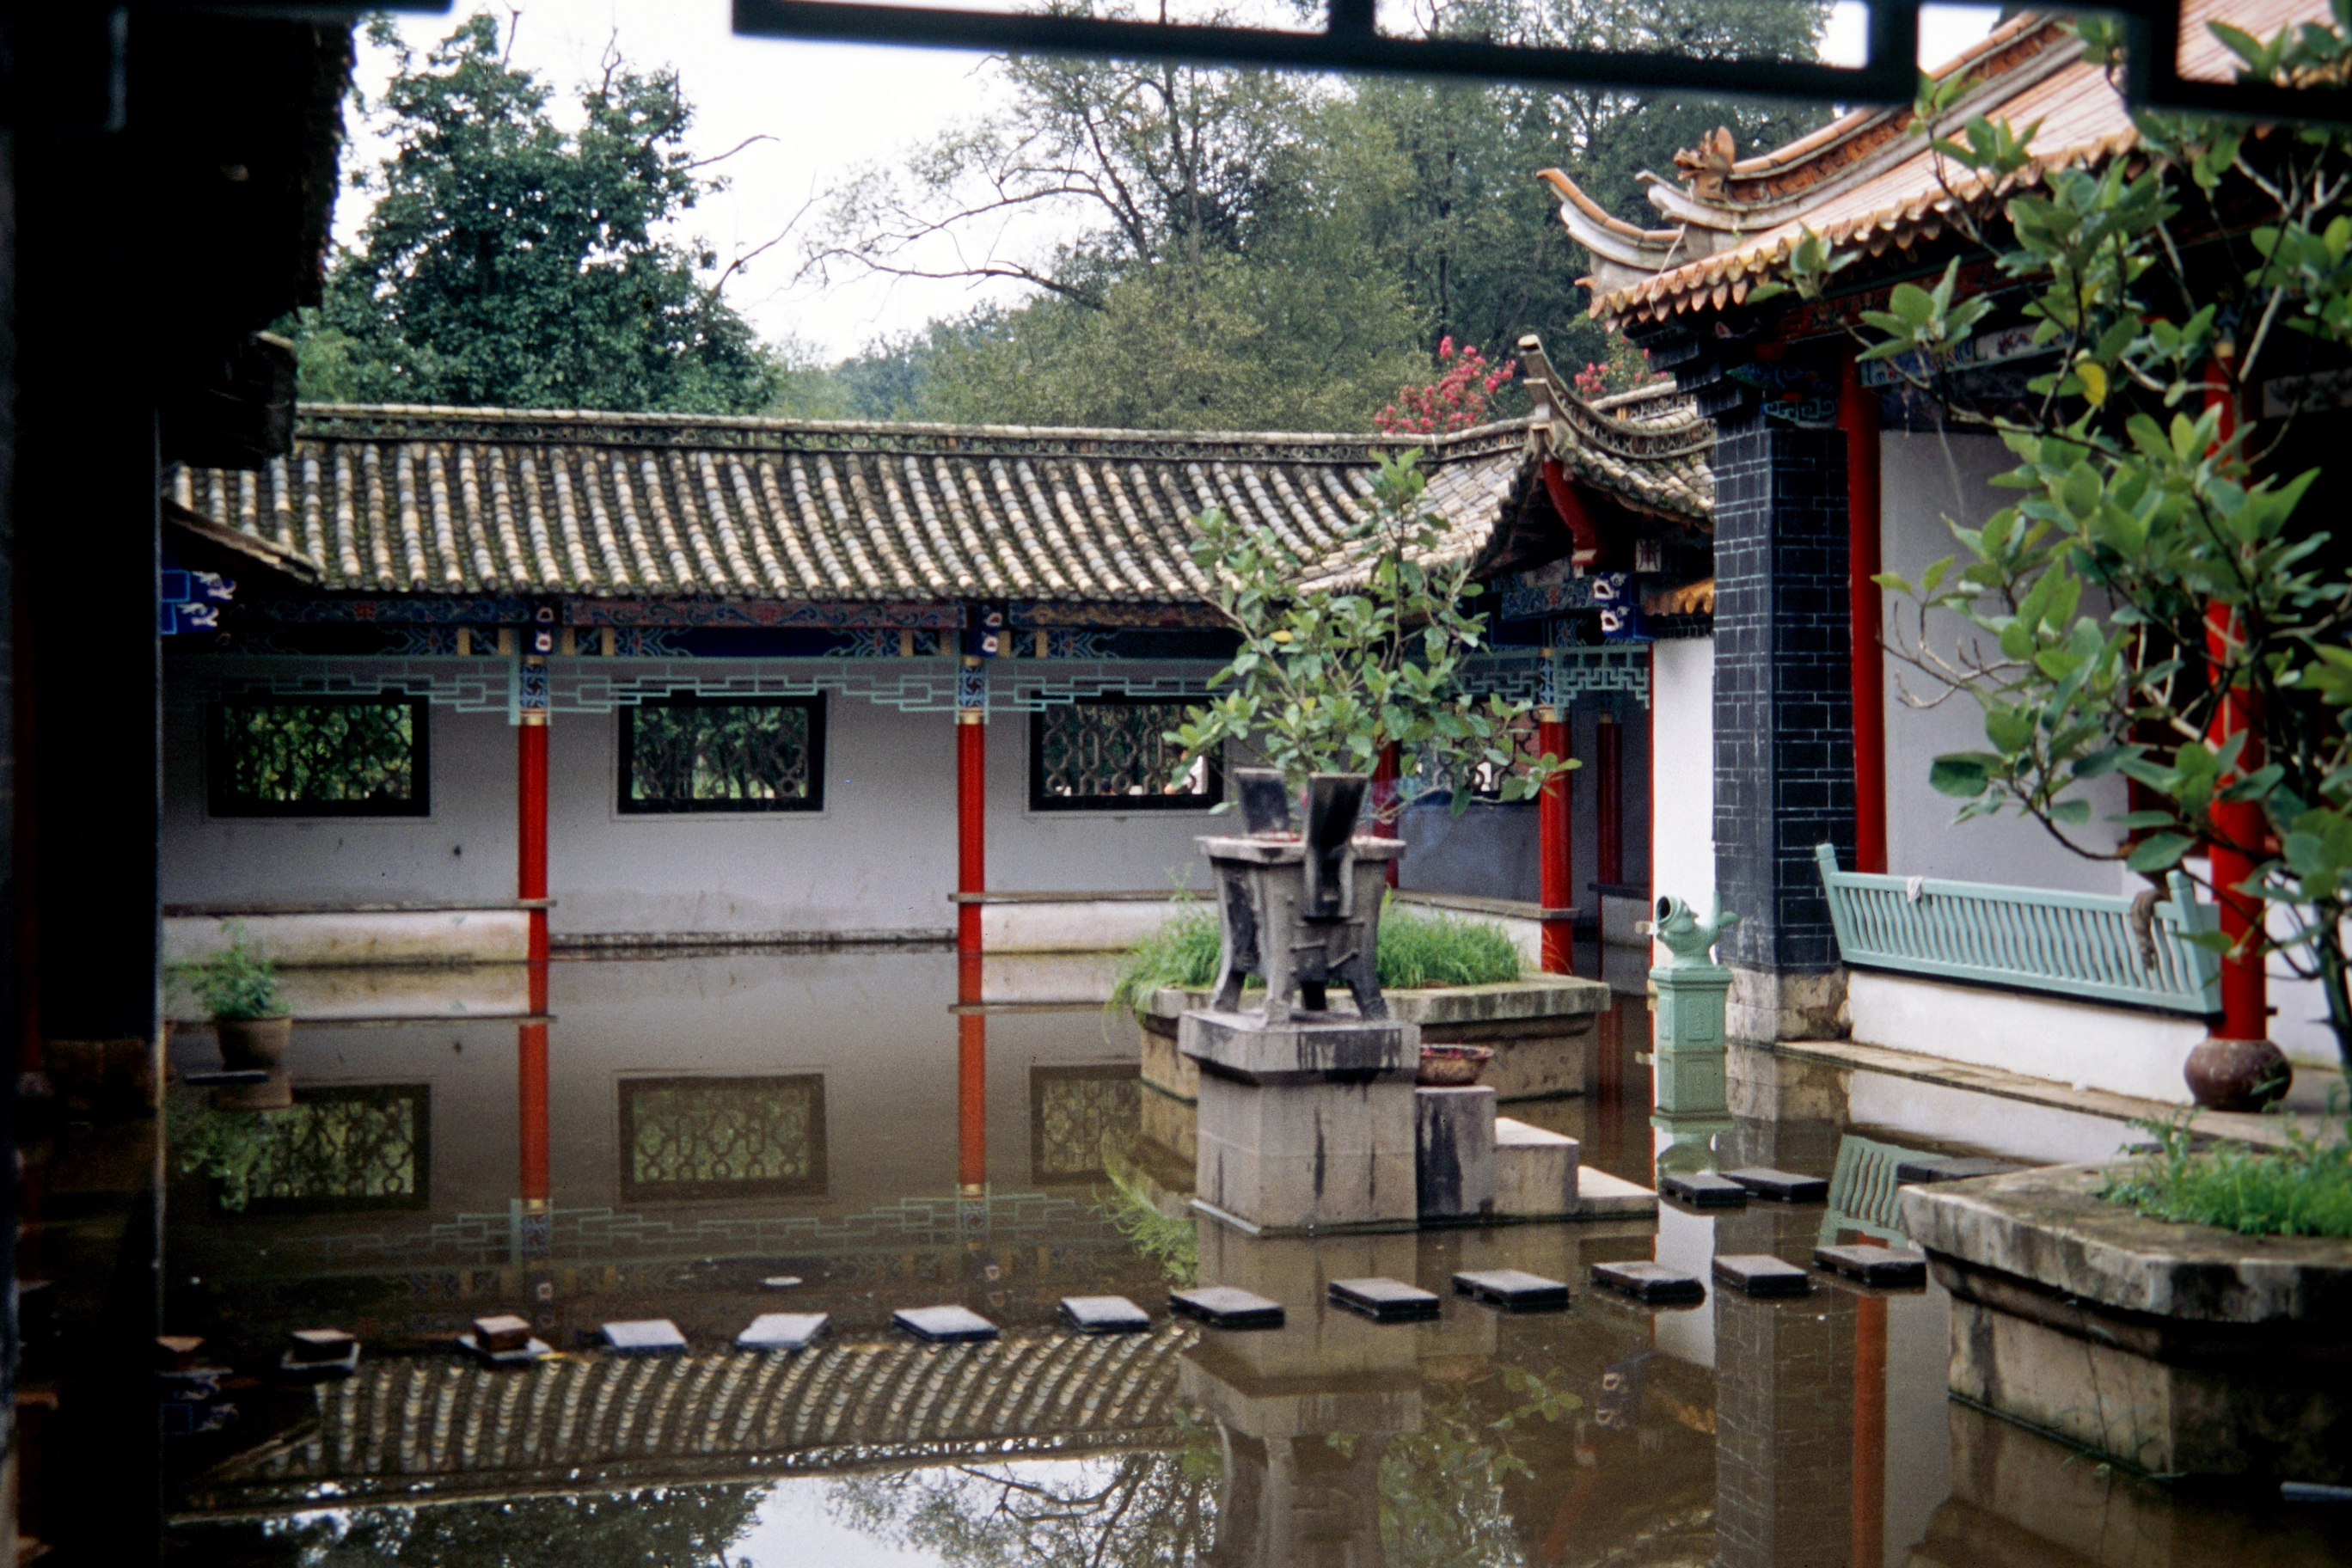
x=708, y=1139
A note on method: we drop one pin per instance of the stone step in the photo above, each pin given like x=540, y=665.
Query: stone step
x=1535, y=1171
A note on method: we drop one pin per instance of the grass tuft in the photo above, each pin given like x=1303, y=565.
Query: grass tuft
x=1415, y=950
x=2303, y=1189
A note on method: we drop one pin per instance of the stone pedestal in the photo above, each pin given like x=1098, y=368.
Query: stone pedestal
x=1304, y=1126
x=1454, y=1140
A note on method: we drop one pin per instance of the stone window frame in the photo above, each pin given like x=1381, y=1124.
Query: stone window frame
x=635, y=1193
x=222, y=800
x=1043, y=800
x=623, y=735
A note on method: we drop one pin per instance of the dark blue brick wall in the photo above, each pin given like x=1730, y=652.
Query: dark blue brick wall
x=1784, y=697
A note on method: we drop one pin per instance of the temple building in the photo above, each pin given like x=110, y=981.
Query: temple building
x=474, y=683
x=1793, y=770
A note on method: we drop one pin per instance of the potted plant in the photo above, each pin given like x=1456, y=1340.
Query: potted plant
x=1345, y=654
x=238, y=988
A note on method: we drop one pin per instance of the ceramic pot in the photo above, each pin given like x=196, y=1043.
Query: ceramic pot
x=247, y=1043
x=2237, y=1075
x=1451, y=1067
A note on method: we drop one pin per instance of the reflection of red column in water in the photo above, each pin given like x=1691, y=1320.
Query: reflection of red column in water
x=972, y=824
x=531, y=882
x=971, y=1080
x=2245, y=990
x=1869, y=1432
x=1385, y=793
x=1552, y=848
x=1858, y=417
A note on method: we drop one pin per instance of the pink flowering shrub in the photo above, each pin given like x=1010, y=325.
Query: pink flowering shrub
x=1459, y=399
x=1626, y=368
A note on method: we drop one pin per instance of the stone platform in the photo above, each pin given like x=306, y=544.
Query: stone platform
x=2175, y=1350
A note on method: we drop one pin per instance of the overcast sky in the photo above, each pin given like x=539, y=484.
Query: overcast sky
x=827, y=109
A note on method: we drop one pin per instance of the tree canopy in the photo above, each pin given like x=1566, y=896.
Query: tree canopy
x=1254, y=250
x=510, y=261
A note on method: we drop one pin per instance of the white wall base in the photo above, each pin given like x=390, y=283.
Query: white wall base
x=2125, y=1052
x=329, y=939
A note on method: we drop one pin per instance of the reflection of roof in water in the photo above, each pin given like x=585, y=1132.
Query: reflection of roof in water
x=419, y=1424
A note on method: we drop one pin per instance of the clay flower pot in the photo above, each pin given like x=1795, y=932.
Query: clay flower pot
x=249, y=1042
x=1451, y=1067
x=2237, y=1075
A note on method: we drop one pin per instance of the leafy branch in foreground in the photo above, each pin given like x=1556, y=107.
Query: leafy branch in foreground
x=1353, y=648
x=2158, y=603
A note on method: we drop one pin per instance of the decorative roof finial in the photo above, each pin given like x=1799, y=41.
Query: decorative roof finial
x=1704, y=167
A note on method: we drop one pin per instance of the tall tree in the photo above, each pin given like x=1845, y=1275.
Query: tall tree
x=510, y=261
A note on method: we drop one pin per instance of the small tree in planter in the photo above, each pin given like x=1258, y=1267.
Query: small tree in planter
x=1345, y=653
x=238, y=988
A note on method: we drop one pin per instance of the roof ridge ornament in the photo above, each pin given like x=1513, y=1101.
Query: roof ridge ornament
x=1705, y=167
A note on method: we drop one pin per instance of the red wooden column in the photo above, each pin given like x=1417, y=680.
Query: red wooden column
x=971, y=801
x=971, y=1080
x=1858, y=417
x=1609, y=799
x=2245, y=986
x=530, y=883
x=1554, y=850
x=1869, y=1505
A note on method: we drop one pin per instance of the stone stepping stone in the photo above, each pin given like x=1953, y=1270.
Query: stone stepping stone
x=1386, y=1300
x=1513, y=1289
x=1881, y=1266
x=1222, y=1307
x=1651, y=1282
x=1912, y=1172
x=320, y=1353
x=523, y=1354
x=781, y=1282
x=643, y=1336
x=1785, y=1186
x=1759, y=1274
x=1704, y=1190
x=782, y=1331
x=1104, y=1315
x=944, y=1325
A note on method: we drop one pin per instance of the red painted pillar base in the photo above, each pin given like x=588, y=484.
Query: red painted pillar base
x=1558, y=873
x=971, y=1082
x=531, y=882
x=530, y=1098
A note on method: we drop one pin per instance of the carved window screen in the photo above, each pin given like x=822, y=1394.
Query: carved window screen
x=685, y=753
x=344, y=1148
x=1075, y=1112
x=320, y=757
x=685, y=1138
x=1110, y=754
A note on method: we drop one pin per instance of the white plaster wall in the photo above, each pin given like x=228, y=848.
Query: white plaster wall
x=2040, y=1037
x=465, y=849
x=1927, y=478
x=1682, y=719
x=1079, y=851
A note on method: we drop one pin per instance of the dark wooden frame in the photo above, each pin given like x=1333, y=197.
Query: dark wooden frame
x=815, y=801
x=220, y=801
x=1039, y=800
x=637, y=1192
x=420, y=1094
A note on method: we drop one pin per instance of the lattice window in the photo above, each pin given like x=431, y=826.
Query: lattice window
x=686, y=753
x=1112, y=753
x=346, y=1148
x=689, y=1138
x=320, y=757
x=1073, y=1113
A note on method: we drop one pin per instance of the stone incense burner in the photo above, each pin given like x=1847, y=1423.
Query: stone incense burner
x=1301, y=910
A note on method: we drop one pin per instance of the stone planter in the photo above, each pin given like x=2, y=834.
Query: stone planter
x=1539, y=1025
x=2177, y=1350
x=249, y=1042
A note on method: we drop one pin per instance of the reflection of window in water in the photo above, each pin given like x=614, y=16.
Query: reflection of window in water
x=1111, y=753
x=687, y=754
x=1073, y=1112
x=685, y=1138
x=346, y=1148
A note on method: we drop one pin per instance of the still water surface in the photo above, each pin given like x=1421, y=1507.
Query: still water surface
x=714, y=1124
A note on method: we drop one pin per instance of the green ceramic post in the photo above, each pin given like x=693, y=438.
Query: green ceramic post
x=1692, y=988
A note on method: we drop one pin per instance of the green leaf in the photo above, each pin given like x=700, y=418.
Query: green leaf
x=1960, y=774
x=2160, y=852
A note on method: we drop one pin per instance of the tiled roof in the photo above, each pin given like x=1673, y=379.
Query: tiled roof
x=1867, y=180
x=429, y=499
x=1648, y=447
x=445, y=1426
